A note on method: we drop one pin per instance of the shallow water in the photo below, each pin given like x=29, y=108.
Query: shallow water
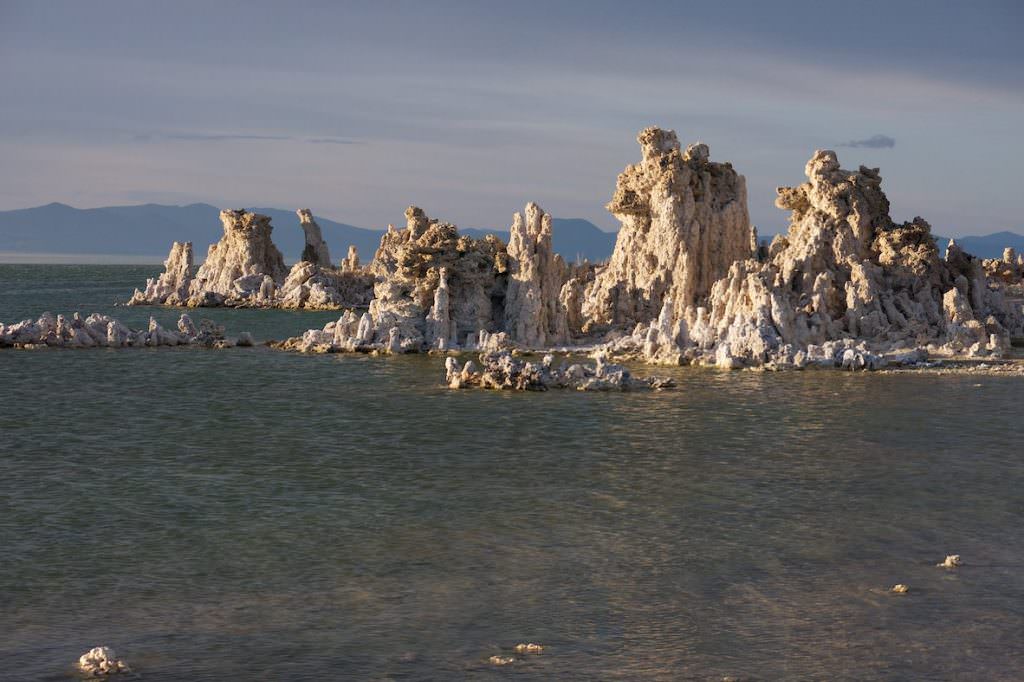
x=249, y=514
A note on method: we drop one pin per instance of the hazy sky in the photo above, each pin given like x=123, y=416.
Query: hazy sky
x=472, y=109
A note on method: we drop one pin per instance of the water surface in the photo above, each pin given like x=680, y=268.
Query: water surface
x=250, y=514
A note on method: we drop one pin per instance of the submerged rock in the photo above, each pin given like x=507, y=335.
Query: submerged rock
x=501, y=660
x=951, y=561
x=101, y=660
x=105, y=332
x=529, y=648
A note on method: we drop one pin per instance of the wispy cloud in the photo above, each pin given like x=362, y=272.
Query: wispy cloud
x=873, y=142
x=330, y=140
x=207, y=137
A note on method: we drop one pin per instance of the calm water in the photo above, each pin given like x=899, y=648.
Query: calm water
x=248, y=514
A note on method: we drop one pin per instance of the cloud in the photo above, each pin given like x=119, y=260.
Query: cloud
x=330, y=140
x=206, y=137
x=873, y=142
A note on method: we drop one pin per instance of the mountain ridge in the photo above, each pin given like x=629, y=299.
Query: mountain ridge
x=57, y=228
x=113, y=233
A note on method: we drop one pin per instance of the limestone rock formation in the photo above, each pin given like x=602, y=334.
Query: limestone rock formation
x=411, y=265
x=100, y=661
x=102, y=331
x=245, y=269
x=351, y=262
x=501, y=370
x=846, y=283
x=535, y=314
x=237, y=266
x=684, y=223
x=172, y=286
x=315, y=251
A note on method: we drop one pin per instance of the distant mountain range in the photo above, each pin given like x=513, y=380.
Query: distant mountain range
x=145, y=232
x=148, y=230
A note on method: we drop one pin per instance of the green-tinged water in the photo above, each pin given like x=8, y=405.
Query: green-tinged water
x=257, y=515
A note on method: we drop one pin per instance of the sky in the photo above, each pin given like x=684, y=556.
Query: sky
x=472, y=109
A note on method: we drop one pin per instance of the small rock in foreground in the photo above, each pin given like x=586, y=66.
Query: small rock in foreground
x=501, y=660
x=101, y=660
x=951, y=561
x=900, y=588
x=529, y=648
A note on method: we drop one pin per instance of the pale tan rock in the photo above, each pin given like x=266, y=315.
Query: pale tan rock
x=172, y=286
x=408, y=268
x=535, y=315
x=900, y=588
x=245, y=269
x=684, y=222
x=236, y=265
x=102, y=331
x=951, y=561
x=529, y=648
x=315, y=250
x=101, y=661
x=847, y=282
x=351, y=262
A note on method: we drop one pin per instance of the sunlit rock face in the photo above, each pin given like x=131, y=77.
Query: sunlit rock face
x=236, y=266
x=846, y=273
x=410, y=266
x=315, y=250
x=684, y=223
x=172, y=286
x=245, y=268
x=103, y=331
x=535, y=314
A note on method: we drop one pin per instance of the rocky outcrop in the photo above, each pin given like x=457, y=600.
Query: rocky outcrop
x=244, y=264
x=684, y=223
x=102, y=331
x=315, y=250
x=100, y=661
x=245, y=269
x=1008, y=270
x=434, y=286
x=845, y=287
x=351, y=262
x=172, y=286
x=535, y=315
x=502, y=370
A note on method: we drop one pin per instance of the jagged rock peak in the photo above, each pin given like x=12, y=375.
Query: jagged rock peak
x=408, y=268
x=316, y=250
x=684, y=222
x=351, y=262
x=534, y=314
x=237, y=264
x=172, y=286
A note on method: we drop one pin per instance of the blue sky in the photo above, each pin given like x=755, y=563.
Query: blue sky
x=471, y=109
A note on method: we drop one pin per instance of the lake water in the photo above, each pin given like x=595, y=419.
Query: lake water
x=252, y=514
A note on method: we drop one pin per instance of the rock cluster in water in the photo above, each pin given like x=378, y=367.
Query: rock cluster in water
x=502, y=371
x=687, y=283
x=103, y=331
x=245, y=269
x=100, y=661
x=846, y=287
